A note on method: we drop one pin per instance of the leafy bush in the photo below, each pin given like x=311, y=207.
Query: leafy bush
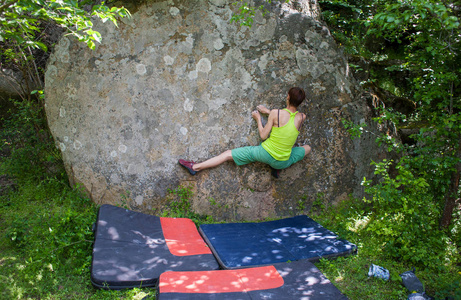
x=405, y=217
x=352, y=220
x=32, y=153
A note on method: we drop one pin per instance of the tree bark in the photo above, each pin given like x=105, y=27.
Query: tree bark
x=452, y=198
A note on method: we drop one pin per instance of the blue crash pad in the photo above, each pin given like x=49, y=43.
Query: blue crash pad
x=238, y=245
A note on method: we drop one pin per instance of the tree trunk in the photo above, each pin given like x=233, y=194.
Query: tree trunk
x=450, y=201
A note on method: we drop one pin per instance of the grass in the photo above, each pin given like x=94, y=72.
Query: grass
x=349, y=274
x=45, y=244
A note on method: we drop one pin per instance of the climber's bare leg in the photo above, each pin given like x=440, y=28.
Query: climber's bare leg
x=307, y=149
x=214, y=161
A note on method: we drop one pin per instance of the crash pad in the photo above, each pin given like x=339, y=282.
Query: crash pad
x=282, y=281
x=238, y=245
x=132, y=249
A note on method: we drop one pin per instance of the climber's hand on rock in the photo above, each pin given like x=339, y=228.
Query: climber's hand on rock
x=262, y=109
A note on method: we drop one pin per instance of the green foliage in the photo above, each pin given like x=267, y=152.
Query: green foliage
x=125, y=200
x=412, y=51
x=301, y=205
x=349, y=21
x=23, y=43
x=180, y=206
x=246, y=12
x=25, y=38
x=214, y=203
x=46, y=244
x=32, y=151
x=46, y=233
x=20, y=21
x=352, y=220
x=319, y=202
x=426, y=28
x=355, y=130
x=405, y=217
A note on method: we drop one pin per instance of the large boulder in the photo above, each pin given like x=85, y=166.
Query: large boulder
x=179, y=80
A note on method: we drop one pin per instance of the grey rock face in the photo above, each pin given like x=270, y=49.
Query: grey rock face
x=178, y=80
x=10, y=85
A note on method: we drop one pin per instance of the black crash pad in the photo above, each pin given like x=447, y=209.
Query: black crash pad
x=132, y=249
x=298, y=280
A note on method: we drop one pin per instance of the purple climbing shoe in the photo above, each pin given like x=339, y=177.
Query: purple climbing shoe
x=275, y=172
x=188, y=165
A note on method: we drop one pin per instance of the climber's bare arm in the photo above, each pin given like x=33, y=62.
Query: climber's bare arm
x=264, y=130
x=300, y=120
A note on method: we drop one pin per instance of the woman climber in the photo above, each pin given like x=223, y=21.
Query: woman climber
x=279, y=135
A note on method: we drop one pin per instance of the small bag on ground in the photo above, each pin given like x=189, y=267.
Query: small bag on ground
x=411, y=282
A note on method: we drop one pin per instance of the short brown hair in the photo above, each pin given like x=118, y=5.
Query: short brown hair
x=297, y=96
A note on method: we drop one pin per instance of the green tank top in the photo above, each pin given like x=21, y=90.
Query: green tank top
x=282, y=139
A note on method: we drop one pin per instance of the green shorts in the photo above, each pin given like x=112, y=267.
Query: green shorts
x=246, y=155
